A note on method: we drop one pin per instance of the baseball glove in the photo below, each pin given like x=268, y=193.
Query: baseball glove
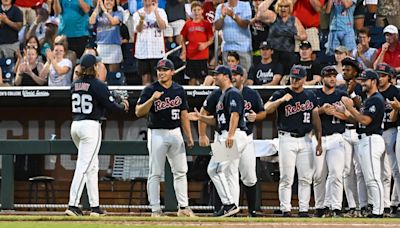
x=120, y=95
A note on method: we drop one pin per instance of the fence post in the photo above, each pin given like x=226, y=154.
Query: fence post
x=7, y=182
x=169, y=193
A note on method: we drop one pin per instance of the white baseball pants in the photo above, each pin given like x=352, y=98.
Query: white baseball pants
x=389, y=164
x=162, y=144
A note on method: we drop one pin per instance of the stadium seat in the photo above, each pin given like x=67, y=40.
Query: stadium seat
x=35, y=182
x=143, y=193
x=115, y=78
x=7, y=67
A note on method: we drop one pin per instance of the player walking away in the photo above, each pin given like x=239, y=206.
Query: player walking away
x=90, y=99
x=297, y=111
x=371, y=146
x=353, y=182
x=390, y=165
x=328, y=176
x=229, y=120
x=165, y=103
x=254, y=111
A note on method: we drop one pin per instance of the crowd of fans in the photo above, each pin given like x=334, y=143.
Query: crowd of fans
x=41, y=41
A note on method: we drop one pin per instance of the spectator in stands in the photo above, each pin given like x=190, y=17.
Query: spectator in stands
x=313, y=68
x=101, y=70
x=176, y=13
x=1, y=78
x=259, y=32
x=74, y=22
x=389, y=10
x=233, y=18
x=32, y=42
x=58, y=69
x=200, y=36
x=233, y=59
x=150, y=23
x=284, y=29
x=27, y=9
x=268, y=71
x=69, y=54
x=28, y=70
x=10, y=24
x=108, y=37
x=50, y=34
x=341, y=29
x=359, y=15
x=341, y=52
x=308, y=13
x=209, y=8
x=38, y=28
x=364, y=54
x=389, y=53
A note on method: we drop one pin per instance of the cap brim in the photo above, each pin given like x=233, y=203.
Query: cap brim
x=236, y=73
x=213, y=72
x=382, y=72
x=296, y=76
x=304, y=46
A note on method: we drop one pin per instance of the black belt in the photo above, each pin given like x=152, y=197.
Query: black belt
x=363, y=135
x=293, y=134
x=351, y=127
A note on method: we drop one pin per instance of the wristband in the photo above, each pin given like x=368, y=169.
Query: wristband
x=353, y=95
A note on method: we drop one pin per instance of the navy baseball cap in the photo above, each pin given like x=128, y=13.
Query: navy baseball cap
x=350, y=61
x=328, y=70
x=237, y=69
x=265, y=45
x=87, y=61
x=305, y=44
x=165, y=64
x=298, y=71
x=383, y=68
x=368, y=74
x=221, y=69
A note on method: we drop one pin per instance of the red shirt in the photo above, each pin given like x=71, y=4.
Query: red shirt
x=196, y=32
x=392, y=58
x=304, y=11
x=27, y=3
x=209, y=11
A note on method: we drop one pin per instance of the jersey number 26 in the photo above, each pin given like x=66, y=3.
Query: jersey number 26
x=82, y=103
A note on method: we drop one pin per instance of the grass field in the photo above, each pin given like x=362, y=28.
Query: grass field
x=14, y=221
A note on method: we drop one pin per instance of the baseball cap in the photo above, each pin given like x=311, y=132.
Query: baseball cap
x=350, y=61
x=237, y=69
x=221, y=69
x=298, y=71
x=265, y=45
x=341, y=49
x=391, y=29
x=328, y=70
x=165, y=64
x=52, y=20
x=88, y=61
x=383, y=68
x=368, y=74
x=305, y=44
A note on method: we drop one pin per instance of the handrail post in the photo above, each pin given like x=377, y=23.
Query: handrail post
x=169, y=193
x=7, y=182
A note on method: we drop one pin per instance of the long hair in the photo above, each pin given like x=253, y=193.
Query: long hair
x=279, y=2
x=87, y=72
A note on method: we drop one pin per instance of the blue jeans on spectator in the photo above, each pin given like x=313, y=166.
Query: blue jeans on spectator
x=337, y=38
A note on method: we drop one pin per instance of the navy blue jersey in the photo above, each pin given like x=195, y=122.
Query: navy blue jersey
x=264, y=73
x=210, y=103
x=90, y=99
x=295, y=115
x=389, y=94
x=360, y=94
x=373, y=107
x=166, y=111
x=252, y=101
x=229, y=102
x=331, y=124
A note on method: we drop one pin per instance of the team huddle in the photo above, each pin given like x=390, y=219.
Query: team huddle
x=338, y=138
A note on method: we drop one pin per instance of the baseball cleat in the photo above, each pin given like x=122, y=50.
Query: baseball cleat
x=228, y=210
x=73, y=211
x=186, y=212
x=96, y=212
x=303, y=214
x=156, y=214
x=287, y=214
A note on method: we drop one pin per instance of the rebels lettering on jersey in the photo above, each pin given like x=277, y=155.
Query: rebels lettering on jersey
x=166, y=111
x=252, y=101
x=330, y=124
x=90, y=98
x=389, y=94
x=229, y=102
x=373, y=107
x=295, y=115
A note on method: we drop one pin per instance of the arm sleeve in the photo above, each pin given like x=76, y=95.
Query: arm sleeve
x=145, y=95
x=235, y=102
x=258, y=103
x=105, y=98
x=89, y=2
x=371, y=108
x=246, y=14
x=218, y=13
x=211, y=101
x=276, y=95
x=184, y=105
x=278, y=69
x=252, y=73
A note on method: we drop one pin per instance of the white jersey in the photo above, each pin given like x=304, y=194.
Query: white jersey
x=150, y=42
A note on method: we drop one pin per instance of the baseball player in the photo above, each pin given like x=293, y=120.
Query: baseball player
x=297, y=115
x=390, y=166
x=353, y=182
x=229, y=119
x=328, y=176
x=371, y=145
x=90, y=98
x=165, y=103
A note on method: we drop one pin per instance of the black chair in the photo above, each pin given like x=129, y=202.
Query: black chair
x=37, y=181
x=143, y=193
x=115, y=78
x=7, y=68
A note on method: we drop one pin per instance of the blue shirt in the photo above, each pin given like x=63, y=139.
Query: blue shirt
x=107, y=33
x=235, y=38
x=342, y=19
x=73, y=21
